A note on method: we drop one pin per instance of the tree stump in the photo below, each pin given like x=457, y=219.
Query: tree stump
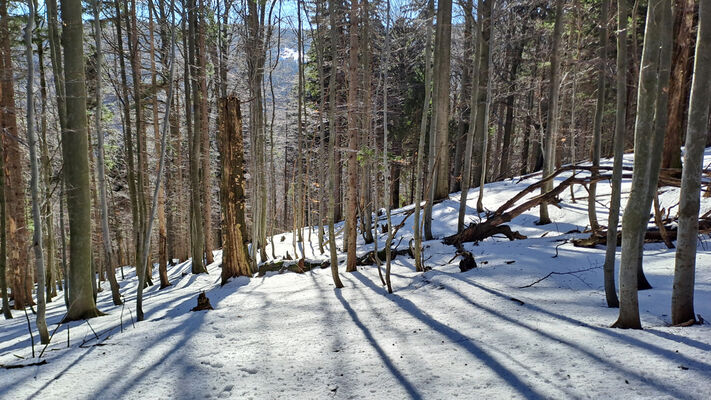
x=203, y=303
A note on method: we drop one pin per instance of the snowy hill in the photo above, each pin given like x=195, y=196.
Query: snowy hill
x=443, y=334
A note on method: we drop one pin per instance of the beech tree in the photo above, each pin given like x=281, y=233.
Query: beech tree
x=683, y=291
x=623, y=11
x=75, y=150
x=650, y=126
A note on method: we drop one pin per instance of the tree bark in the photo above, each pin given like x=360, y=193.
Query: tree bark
x=38, y=242
x=679, y=83
x=649, y=134
x=17, y=267
x=683, y=291
x=196, y=225
x=417, y=229
x=235, y=261
x=204, y=121
x=333, y=137
x=552, y=116
x=100, y=163
x=599, y=109
x=75, y=150
x=442, y=58
x=623, y=11
x=3, y=238
x=162, y=229
x=352, y=204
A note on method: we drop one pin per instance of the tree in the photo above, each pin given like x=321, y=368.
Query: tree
x=332, y=167
x=552, y=116
x=37, y=240
x=599, y=109
x=204, y=129
x=196, y=225
x=679, y=82
x=75, y=150
x=352, y=203
x=683, y=291
x=650, y=125
x=162, y=228
x=235, y=260
x=442, y=56
x=100, y=162
x=386, y=169
x=17, y=269
x=3, y=238
x=481, y=118
x=417, y=229
x=142, y=267
x=623, y=11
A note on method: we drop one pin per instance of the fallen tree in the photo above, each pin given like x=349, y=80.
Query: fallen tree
x=654, y=235
x=494, y=224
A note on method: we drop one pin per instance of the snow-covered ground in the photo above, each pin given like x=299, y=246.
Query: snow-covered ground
x=443, y=334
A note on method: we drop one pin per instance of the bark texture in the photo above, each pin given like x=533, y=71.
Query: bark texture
x=75, y=149
x=683, y=291
x=235, y=261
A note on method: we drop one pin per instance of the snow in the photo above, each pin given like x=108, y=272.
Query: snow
x=443, y=334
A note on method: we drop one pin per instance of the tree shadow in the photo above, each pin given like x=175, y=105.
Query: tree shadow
x=702, y=367
x=406, y=384
x=457, y=338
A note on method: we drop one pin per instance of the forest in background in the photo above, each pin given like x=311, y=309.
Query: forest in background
x=124, y=141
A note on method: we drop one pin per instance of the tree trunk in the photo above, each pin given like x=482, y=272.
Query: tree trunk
x=552, y=117
x=386, y=170
x=35, y=181
x=442, y=58
x=481, y=123
x=142, y=266
x=470, y=35
x=234, y=255
x=17, y=267
x=75, y=149
x=196, y=224
x=3, y=239
x=353, y=110
x=480, y=81
x=100, y=163
x=333, y=137
x=162, y=229
x=683, y=292
x=679, y=82
x=599, y=109
x=649, y=135
x=623, y=11
x=204, y=121
x=417, y=230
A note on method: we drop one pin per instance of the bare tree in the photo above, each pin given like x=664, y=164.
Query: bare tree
x=683, y=292
x=623, y=11
x=552, y=116
x=649, y=135
x=75, y=149
x=599, y=109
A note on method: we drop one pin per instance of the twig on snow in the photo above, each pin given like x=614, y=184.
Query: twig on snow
x=559, y=273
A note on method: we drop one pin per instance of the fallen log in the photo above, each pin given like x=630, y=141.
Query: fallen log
x=494, y=223
x=369, y=257
x=298, y=267
x=651, y=236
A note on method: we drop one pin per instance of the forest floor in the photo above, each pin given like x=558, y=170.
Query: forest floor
x=443, y=334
